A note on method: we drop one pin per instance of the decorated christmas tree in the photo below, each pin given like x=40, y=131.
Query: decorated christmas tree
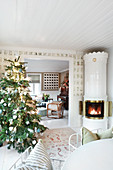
x=18, y=114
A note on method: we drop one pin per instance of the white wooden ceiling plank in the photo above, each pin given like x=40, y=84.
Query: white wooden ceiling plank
x=82, y=27
x=60, y=24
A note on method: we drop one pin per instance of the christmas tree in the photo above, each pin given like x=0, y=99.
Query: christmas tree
x=18, y=114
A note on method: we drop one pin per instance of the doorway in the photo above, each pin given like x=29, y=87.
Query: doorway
x=70, y=63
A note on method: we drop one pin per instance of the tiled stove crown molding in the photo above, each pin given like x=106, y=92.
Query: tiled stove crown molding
x=96, y=53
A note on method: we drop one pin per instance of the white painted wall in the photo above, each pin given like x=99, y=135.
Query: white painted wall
x=110, y=75
x=38, y=65
x=110, y=82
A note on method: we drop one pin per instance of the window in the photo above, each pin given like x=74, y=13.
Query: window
x=35, y=83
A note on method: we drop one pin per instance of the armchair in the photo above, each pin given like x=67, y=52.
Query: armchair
x=55, y=108
x=77, y=139
x=74, y=141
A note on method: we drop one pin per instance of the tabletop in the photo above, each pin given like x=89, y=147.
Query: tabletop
x=96, y=155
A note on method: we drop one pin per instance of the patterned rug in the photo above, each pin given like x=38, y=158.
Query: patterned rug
x=56, y=142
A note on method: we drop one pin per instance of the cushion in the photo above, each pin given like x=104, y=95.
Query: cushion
x=88, y=136
x=39, y=157
x=25, y=167
x=106, y=134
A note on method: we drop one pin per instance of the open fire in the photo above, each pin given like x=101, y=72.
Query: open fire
x=95, y=109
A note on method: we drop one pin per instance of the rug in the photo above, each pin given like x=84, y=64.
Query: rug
x=56, y=142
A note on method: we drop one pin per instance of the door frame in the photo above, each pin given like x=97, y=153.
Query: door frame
x=62, y=58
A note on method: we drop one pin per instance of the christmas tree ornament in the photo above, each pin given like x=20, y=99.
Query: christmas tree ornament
x=2, y=101
x=20, y=70
x=15, y=111
x=14, y=116
x=10, y=128
x=27, y=123
x=34, y=142
x=5, y=104
x=15, y=91
x=3, y=88
x=9, y=98
x=38, y=130
x=30, y=130
x=0, y=111
x=11, y=121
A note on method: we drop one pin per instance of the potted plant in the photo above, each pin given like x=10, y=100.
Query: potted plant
x=45, y=97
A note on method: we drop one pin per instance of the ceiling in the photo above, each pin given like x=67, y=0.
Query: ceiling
x=47, y=65
x=57, y=24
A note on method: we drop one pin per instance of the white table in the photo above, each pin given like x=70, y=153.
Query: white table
x=97, y=155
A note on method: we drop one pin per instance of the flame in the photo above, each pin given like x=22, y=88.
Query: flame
x=93, y=111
